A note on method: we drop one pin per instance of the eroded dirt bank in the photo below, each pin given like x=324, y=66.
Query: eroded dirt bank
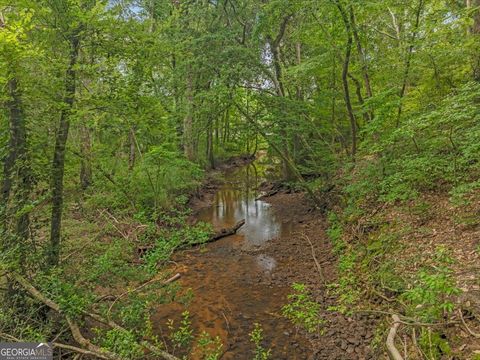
x=344, y=337
x=245, y=278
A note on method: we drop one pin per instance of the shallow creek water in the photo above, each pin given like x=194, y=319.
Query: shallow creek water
x=230, y=279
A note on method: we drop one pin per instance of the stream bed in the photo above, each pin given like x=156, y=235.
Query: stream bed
x=229, y=282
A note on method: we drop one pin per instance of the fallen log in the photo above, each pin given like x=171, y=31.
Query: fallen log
x=268, y=194
x=216, y=236
x=226, y=232
x=393, y=352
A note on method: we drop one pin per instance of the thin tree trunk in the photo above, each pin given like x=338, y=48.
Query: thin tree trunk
x=132, y=148
x=86, y=162
x=476, y=34
x=22, y=162
x=9, y=160
x=346, y=89
x=408, y=61
x=58, y=164
x=358, y=91
x=188, y=143
x=363, y=60
x=210, y=155
x=299, y=96
x=298, y=176
x=287, y=172
x=17, y=160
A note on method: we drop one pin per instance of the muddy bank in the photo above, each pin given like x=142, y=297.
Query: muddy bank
x=245, y=278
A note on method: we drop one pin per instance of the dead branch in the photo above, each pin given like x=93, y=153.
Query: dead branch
x=317, y=264
x=55, y=344
x=79, y=338
x=142, y=250
x=125, y=236
x=226, y=232
x=268, y=194
x=77, y=350
x=168, y=281
x=154, y=349
x=470, y=331
x=393, y=352
x=405, y=320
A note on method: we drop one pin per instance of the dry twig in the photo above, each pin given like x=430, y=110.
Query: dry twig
x=470, y=331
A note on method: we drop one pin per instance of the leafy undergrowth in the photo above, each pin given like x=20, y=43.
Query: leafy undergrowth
x=115, y=265
x=418, y=259
x=407, y=231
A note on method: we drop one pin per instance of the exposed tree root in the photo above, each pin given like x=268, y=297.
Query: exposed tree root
x=393, y=352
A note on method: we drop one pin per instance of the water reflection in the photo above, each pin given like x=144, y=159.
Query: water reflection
x=235, y=201
x=266, y=263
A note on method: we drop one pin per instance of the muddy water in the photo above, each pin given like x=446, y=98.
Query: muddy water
x=231, y=279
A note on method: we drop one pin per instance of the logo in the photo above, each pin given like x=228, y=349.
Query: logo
x=26, y=351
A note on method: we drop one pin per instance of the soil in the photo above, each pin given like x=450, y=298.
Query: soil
x=245, y=278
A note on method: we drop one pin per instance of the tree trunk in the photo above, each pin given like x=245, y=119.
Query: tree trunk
x=16, y=161
x=188, y=143
x=476, y=34
x=9, y=160
x=210, y=154
x=346, y=89
x=132, y=148
x=58, y=164
x=86, y=160
x=408, y=61
x=22, y=164
x=363, y=60
x=287, y=172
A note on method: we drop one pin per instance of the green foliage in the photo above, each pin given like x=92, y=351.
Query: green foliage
x=72, y=300
x=161, y=177
x=173, y=239
x=302, y=310
x=434, y=344
x=182, y=336
x=210, y=348
x=436, y=146
x=163, y=91
x=345, y=287
x=120, y=342
x=430, y=295
x=112, y=263
x=335, y=232
x=256, y=337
